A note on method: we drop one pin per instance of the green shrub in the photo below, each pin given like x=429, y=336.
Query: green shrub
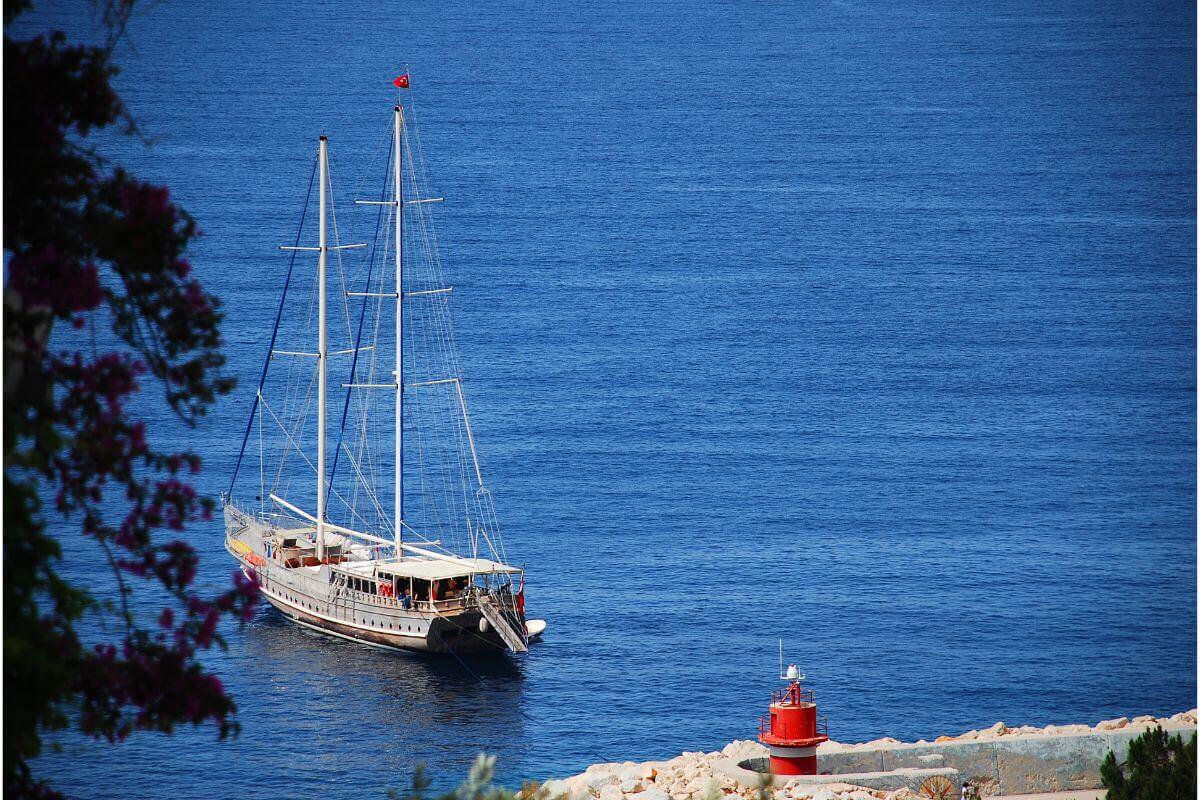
x=1158, y=767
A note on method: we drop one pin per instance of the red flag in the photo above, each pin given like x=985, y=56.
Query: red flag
x=401, y=82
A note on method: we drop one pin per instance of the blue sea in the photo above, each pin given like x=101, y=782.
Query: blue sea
x=867, y=327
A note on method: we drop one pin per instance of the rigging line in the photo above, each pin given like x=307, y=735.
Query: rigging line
x=312, y=466
x=365, y=452
x=366, y=487
x=378, y=145
x=337, y=239
x=461, y=663
x=444, y=329
x=440, y=416
x=274, y=333
x=426, y=505
x=293, y=383
x=298, y=428
x=429, y=240
x=474, y=675
x=293, y=437
x=361, y=317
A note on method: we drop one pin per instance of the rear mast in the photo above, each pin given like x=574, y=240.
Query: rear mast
x=398, y=191
x=322, y=246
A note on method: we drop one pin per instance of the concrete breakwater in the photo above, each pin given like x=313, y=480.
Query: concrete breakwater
x=999, y=760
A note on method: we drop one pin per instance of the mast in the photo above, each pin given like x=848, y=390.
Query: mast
x=398, y=179
x=321, y=351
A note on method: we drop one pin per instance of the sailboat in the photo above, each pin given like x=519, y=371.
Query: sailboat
x=428, y=574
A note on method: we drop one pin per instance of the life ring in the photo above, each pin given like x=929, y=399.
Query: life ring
x=385, y=590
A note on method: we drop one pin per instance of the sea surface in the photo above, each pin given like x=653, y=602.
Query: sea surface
x=871, y=327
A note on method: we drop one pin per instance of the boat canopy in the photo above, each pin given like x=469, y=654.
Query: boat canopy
x=430, y=569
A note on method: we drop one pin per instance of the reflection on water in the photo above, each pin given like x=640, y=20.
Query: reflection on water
x=293, y=648
x=398, y=708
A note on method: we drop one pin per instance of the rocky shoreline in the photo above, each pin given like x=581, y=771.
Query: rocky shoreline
x=693, y=776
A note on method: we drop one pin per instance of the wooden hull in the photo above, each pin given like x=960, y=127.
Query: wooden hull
x=458, y=634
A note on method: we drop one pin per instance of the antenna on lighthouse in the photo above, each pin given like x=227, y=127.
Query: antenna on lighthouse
x=793, y=672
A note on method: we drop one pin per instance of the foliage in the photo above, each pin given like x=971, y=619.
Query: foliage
x=477, y=786
x=87, y=244
x=1158, y=767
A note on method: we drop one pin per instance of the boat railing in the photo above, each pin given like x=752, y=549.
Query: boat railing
x=432, y=606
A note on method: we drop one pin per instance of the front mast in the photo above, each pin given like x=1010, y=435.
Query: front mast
x=321, y=349
x=398, y=179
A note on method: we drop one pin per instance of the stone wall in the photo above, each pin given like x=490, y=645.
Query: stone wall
x=1016, y=764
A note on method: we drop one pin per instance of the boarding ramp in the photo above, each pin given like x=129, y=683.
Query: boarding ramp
x=503, y=625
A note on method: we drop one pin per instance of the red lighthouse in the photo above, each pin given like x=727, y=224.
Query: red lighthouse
x=793, y=730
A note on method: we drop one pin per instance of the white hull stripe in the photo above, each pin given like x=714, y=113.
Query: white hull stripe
x=354, y=639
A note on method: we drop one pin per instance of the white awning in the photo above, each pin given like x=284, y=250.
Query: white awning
x=429, y=569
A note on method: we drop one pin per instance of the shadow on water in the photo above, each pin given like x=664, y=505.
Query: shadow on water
x=410, y=690
x=273, y=630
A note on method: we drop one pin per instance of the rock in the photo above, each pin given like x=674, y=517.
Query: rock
x=1143, y=720
x=999, y=729
x=629, y=772
x=1113, y=724
x=1075, y=729
x=940, y=739
x=631, y=785
x=599, y=779
x=824, y=794
x=742, y=749
x=576, y=784
x=611, y=792
x=1050, y=729
x=651, y=793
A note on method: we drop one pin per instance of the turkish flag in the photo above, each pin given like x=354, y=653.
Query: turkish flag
x=401, y=82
